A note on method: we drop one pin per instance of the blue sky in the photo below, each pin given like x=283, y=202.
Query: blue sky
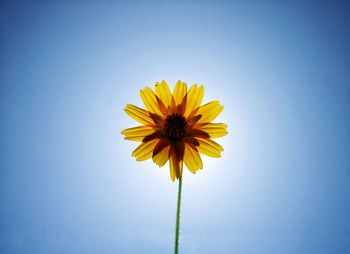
x=68, y=183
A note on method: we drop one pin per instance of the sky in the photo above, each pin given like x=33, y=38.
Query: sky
x=68, y=183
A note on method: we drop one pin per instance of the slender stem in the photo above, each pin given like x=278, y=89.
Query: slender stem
x=177, y=232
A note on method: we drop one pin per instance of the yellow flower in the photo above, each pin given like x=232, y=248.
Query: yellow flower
x=175, y=127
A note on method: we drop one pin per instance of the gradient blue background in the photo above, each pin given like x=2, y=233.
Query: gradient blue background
x=68, y=183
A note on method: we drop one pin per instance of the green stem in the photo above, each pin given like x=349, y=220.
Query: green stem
x=177, y=232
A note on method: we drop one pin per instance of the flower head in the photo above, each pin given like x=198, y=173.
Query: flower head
x=175, y=127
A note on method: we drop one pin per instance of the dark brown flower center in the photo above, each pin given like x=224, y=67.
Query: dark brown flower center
x=175, y=126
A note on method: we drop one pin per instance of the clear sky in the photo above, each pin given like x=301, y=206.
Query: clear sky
x=68, y=183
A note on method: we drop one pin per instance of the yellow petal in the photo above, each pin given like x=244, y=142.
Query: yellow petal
x=162, y=157
x=163, y=92
x=209, y=111
x=149, y=99
x=194, y=98
x=215, y=130
x=172, y=170
x=137, y=133
x=138, y=114
x=175, y=168
x=145, y=150
x=192, y=159
x=209, y=148
x=179, y=92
